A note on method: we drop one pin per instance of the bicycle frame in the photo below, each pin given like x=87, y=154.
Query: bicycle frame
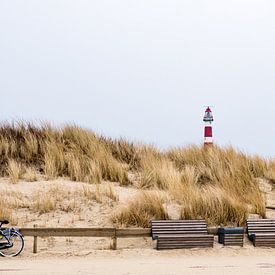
x=6, y=234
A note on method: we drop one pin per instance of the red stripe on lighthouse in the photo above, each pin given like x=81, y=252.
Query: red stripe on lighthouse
x=208, y=131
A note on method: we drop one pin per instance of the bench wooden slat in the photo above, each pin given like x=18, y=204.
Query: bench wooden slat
x=191, y=238
x=251, y=231
x=157, y=232
x=178, y=221
x=183, y=241
x=178, y=227
x=181, y=245
x=261, y=221
x=233, y=237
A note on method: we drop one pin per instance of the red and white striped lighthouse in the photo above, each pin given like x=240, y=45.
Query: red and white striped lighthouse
x=208, y=134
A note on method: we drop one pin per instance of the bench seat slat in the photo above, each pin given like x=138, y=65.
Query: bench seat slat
x=178, y=221
x=178, y=232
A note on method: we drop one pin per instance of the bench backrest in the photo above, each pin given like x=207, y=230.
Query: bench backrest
x=260, y=226
x=172, y=227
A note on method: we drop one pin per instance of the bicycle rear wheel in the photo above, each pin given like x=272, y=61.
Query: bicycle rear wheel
x=18, y=244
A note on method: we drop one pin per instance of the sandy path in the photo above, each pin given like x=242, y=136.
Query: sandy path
x=144, y=262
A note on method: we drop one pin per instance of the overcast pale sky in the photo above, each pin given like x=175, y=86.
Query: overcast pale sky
x=143, y=69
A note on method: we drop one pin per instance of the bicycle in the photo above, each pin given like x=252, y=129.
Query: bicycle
x=11, y=241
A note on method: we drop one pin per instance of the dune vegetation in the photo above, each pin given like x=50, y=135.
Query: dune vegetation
x=217, y=184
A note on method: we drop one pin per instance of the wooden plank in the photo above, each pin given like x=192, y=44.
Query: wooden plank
x=178, y=226
x=171, y=246
x=265, y=240
x=184, y=242
x=233, y=240
x=185, y=245
x=185, y=236
x=234, y=237
x=179, y=232
x=261, y=228
x=133, y=232
x=182, y=247
x=251, y=227
x=87, y=232
x=177, y=221
x=235, y=244
x=262, y=232
x=260, y=220
x=265, y=234
x=68, y=232
x=184, y=239
x=227, y=242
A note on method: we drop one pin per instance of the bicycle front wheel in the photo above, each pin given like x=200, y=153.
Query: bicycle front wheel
x=17, y=246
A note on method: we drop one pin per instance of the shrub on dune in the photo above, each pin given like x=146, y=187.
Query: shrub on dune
x=141, y=210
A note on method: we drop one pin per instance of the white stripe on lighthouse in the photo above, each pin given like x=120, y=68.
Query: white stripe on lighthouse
x=208, y=140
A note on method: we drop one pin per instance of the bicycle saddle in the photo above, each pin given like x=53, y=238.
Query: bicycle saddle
x=4, y=222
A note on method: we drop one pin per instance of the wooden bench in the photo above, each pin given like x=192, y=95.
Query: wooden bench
x=261, y=232
x=231, y=236
x=175, y=234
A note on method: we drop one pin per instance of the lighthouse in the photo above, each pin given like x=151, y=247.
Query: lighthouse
x=208, y=134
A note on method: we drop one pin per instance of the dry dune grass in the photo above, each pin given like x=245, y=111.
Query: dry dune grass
x=217, y=184
x=14, y=170
x=70, y=151
x=57, y=197
x=6, y=211
x=66, y=199
x=139, y=212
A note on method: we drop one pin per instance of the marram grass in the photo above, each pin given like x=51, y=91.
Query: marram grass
x=218, y=184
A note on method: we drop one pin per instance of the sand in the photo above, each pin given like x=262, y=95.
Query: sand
x=134, y=256
x=147, y=261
